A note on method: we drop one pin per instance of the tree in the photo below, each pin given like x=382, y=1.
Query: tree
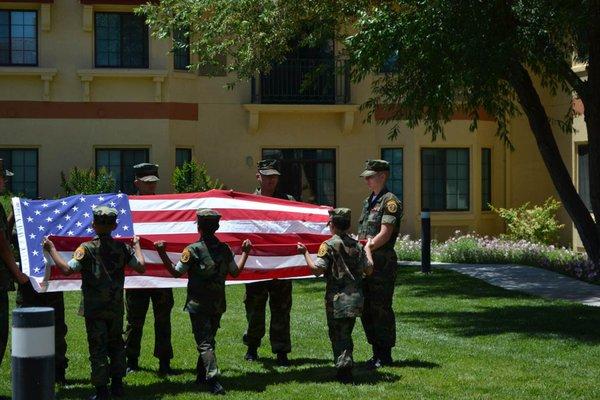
x=450, y=56
x=191, y=177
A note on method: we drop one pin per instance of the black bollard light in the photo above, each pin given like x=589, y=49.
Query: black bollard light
x=33, y=353
x=425, y=241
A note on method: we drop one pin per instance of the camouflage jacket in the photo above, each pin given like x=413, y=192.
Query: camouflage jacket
x=344, y=262
x=383, y=209
x=6, y=279
x=278, y=195
x=102, y=262
x=207, y=263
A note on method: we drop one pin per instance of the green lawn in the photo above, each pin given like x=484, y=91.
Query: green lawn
x=458, y=338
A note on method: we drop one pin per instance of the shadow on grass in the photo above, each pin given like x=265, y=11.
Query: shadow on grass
x=574, y=322
x=244, y=382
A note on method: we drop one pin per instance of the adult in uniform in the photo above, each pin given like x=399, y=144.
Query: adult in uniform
x=380, y=222
x=278, y=292
x=207, y=263
x=137, y=301
x=8, y=266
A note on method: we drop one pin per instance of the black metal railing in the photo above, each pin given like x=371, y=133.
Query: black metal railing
x=304, y=81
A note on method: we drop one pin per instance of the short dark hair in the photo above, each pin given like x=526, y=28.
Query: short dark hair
x=342, y=225
x=208, y=225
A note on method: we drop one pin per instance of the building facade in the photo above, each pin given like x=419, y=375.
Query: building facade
x=83, y=83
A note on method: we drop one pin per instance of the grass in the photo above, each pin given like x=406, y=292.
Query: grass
x=458, y=338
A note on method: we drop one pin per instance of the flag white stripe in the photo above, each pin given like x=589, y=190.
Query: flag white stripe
x=254, y=262
x=233, y=226
x=216, y=203
x=22, y=237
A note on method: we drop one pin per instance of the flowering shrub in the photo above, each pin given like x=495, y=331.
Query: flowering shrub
x=475, y=249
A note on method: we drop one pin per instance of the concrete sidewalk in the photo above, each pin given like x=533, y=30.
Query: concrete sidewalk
x=531, y=280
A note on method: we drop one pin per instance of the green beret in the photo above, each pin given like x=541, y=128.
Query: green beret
x=340, y=214
x=207, y=213
x=105, y=215
x=374, y=166
x=4, y=172
x=146, y=172
x=269, y=167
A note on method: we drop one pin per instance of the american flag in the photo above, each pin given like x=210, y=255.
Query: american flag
x=273, y=225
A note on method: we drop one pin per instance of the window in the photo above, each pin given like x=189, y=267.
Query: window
x=445, y=179
x=121, y=40
x=396, y=180
x=18, y=37
x=307, y=174
x=181, y=50
x=583, y=184
x=390, y=64
x=182, y=156
x=24, y=164
x=120, y=162
x=486, y=179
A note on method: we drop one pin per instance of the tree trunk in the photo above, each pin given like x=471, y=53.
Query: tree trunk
x=592, y=107
x=538, y=121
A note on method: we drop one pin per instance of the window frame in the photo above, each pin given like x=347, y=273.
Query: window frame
x=37, y=38
x=486, y=207
x=8, y=166
x=146, y=63
x=122, y=168
x=187, y=149
x=332, y=162
x=175, y=51
x=445, y=178
x=382, y=150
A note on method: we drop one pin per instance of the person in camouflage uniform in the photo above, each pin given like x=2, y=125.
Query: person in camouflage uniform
x=344, y=262
x=380, y=222
x=207, y=263
x=102, y=262
x=277, y=291
x=8, y=266
x=138, y=300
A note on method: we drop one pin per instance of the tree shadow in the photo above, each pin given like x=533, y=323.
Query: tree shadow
x=573, y=322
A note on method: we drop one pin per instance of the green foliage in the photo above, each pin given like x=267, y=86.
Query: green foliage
x=537, y=224
x=86, y=181
x=192, y=177
x=5, y=200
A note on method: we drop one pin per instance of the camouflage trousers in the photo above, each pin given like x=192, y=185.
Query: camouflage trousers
x=378, y=319
x=340, y=334
x=279, y=294
x=205, y=329
x=28, y=297
x=3, y=323
x=137, y=303
x=107, y=350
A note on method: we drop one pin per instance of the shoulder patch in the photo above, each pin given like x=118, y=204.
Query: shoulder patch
x=391, y=206
x=79, y=254
x=185, y=256
x=322, y=250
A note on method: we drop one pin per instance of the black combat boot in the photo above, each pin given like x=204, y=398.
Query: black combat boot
x=200, y=372
x=385, y=356
x=375, y=361
x=251, y=354
x=102, y=393
x=282, y=360
x=132, y=365
x=164, y=368
x=215, y=387
x=344, y=375
x=116, y=387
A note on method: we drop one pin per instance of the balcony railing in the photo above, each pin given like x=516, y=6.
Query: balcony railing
x=304, y=81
